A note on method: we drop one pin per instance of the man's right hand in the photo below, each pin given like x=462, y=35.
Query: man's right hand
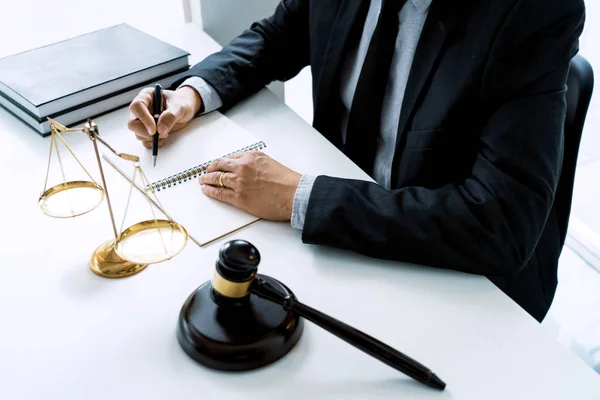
x=180, y=107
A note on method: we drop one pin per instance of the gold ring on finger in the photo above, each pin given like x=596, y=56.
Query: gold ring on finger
x=221, y=179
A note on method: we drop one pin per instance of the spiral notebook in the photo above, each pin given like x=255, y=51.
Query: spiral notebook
x=185, y=157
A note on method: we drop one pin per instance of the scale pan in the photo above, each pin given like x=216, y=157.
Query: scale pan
x=151, y=241
x=71, y=199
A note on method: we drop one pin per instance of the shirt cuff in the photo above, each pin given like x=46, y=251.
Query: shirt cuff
x=210, y=98
x=301, y=201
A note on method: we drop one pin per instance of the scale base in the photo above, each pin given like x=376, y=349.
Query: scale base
x=239, y=337
x=106, y=263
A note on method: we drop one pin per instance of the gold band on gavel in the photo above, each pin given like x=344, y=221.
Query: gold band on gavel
x=230, y=289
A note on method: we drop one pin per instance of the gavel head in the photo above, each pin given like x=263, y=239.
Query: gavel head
x=223, y=325
x=235, y=271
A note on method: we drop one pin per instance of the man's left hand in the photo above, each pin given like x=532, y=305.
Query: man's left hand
x=253, y=182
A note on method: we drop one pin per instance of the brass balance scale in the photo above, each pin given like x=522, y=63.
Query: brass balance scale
x=132, y=249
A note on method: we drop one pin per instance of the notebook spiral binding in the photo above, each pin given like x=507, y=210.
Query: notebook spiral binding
x=198, y=170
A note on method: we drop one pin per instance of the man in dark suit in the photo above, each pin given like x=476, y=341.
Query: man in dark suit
x=455, y=107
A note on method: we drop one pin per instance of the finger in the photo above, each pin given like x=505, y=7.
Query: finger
x=140, y=108
x=236, y=156
x=221, y=164
x=214, y=179
x=218, y=193
x=143, y=136
x=167, y=120
x=139, y=130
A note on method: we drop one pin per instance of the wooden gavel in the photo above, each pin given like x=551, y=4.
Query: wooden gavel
x=242, y=320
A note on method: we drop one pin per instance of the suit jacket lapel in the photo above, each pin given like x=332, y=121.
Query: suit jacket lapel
x=346, y=19
x=442, y=17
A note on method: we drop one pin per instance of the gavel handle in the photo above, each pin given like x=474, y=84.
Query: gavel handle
x=356, y=338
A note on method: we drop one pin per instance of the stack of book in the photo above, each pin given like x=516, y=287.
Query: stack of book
x=86, y=76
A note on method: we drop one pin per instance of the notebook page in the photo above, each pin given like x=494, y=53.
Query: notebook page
x=204, y=218
x=204, y=139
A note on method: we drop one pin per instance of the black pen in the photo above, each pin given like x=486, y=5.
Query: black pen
x=158, y=100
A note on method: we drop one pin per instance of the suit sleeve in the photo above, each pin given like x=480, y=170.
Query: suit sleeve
x=491, y=222
x=272, y=49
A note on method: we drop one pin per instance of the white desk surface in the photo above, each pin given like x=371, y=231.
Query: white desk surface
x=66, y=333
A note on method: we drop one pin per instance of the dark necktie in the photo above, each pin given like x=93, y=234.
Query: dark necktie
x=365, y=113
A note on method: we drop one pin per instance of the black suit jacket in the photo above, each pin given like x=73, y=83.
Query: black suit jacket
x=479, y=147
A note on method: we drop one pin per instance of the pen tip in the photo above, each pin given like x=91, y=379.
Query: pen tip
x=154, y=160
x=436, y=382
